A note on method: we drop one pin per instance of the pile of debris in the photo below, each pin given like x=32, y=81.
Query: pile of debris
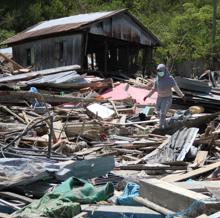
x=84, y=146
x=204, y=92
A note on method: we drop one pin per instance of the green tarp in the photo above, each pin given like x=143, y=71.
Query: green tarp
x=64, y=201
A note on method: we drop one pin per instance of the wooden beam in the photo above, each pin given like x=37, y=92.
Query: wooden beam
x=115, y=109
x=16, y=65
x=215, y=215
x=198, y=186
x=138, y=126
x=12, y=113
x=14, y=96
x=14, y=196
x=173, y=197
x=202, y=216
x=154, y=152
x=153, y=206
x=5, y=215
x=200, y=158
x=59, y=132
x=153, y=167
x=193, y=173
x=117, y=211
x=82, y=215
x=132, y=123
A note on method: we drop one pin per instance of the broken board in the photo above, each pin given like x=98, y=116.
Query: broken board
x=192, y=173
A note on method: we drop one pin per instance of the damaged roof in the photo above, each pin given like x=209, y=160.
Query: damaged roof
x=69, y=24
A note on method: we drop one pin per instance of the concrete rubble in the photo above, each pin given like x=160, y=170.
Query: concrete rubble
x=58, y=124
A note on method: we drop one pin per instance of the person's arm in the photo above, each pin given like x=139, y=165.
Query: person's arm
x=178, y=91
x=151, y=92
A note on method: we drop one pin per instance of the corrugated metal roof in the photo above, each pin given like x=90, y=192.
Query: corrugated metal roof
x=63, y=77
x=46, y=31
x=66, y=24
x=81, y=18
x=59, y=25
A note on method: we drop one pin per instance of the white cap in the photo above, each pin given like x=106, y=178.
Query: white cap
x=161, y=67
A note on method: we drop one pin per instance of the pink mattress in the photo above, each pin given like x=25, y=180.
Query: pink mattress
x=119, y=93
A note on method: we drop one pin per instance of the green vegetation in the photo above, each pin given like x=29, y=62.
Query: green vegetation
x=183, y=26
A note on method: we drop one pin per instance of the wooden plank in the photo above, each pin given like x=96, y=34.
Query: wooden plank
x=200, y=158
x=11, y=126
x=123, y=119
x=10, y=204
x=14, y=196
x=59, y=132
x=15, y=96
x=198, y=186
x=16, y=65
x=153, y=152
x=215, y=215
x=153, y=206
x=81, y=215
x=42, y=141
x=25, y=117
x=173, y=175
x=129, y=157
x=12, y=113
x=172, y=197
x=88, y=130
x=148, y=149
x=152, y=167
x=115, y=109
x=127, y=151
x=142, y=145
x=138, y=126
x=119, y=211
x=202, y=216
x=132, y=123
x=87, y=151
x=193, y=173
x=5, y=215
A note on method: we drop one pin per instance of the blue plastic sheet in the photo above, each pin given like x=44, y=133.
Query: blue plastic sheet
x=131, y=190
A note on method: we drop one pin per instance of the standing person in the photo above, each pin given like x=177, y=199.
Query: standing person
x=163, y=86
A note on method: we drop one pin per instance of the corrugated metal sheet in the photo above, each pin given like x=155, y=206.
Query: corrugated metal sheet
x=63, y=77
x=78, y=22
x=193, y=85
x=77, y=19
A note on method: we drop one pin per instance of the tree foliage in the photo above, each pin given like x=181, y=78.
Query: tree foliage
x=183, y=26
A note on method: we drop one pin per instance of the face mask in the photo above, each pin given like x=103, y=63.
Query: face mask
x=160, y=74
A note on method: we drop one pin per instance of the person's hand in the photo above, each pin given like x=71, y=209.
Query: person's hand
x=145, y=97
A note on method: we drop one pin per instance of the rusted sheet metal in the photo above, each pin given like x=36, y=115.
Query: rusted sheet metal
x=118, y=24
x=44, y=32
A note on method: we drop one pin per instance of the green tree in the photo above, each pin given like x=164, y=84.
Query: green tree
x=183, y=26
